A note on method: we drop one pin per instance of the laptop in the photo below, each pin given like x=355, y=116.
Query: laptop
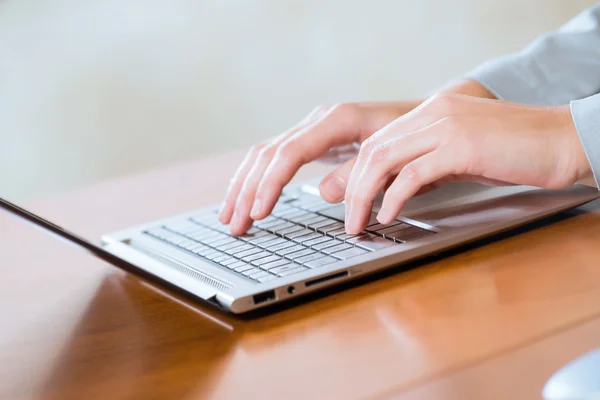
x=302, y=246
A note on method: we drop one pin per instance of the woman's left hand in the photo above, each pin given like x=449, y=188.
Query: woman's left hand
x=452, y=138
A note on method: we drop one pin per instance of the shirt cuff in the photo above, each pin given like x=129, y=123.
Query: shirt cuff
x=586, y=116
x=517, y=79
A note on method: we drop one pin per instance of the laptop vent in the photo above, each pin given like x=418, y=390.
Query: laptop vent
x=199, y=276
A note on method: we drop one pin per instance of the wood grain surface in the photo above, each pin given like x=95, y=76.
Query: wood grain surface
x=74, y=327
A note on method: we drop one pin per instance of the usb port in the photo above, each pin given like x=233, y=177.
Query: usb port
x=264, y=297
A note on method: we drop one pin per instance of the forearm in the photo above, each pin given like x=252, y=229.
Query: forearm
x=555, y=69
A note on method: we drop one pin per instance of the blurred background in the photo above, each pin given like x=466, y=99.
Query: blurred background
x=92, y=89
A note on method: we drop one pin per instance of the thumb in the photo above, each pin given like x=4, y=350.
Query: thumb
x=333, y=186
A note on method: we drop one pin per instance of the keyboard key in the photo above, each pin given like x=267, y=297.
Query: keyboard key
x=309, y=257
x=160, y=233
x=299, y=216
x=236, y=264
x=358, y=237
x=314, y=220
x=323, y=223
x=346, y=236
x=203, y=235
x=246, y=253
x=283, y=268
x=177, y=239
x=281, y=207
x=259, y=274
x=243, y=268
x=308, y=237
x=324, y=245
x=266, y=224
x=249, y=236
x=407, y=236
x=267, y=278
x=298, y=254
x=200, y=249
x=287, y=250
x=256, y=256
x=338, y=248
x=393, y=229
x=204, y=251
x=228, y=262
x=222, y=242
x=337, y=212
x=352, y=252
x=223, y=257
x=292, y=229
x=281, y=246
x=217, y=226
x=215, y=239
x=331, y=227
x=230, y=245
x=377, y=227
x=279, y=227
x=264, y=238
x=319, y=262
x=373, y=243
x=336, y=233
x=251, y=271
x=265, y=260
x=274, y=242
x=275, y=264
x=238, y=249
x=318, y=205
x=292, y=271
x=318, y=240
x=182, y=227
x=293, y=213
x=299, y=233
x=187, y=244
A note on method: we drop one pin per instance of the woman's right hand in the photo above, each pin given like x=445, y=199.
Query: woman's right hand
x=268, y=167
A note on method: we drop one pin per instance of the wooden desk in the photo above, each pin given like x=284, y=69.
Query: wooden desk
x=493, y=321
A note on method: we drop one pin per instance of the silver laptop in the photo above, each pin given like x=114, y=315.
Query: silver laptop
x=303, y=247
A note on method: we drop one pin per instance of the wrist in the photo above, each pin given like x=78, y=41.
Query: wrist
x=577, y=159
x=468, y=87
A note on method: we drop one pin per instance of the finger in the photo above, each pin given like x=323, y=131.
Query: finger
x=237, y=182
x=241, y=221
x=333, y=186
x=235, y=185
x=383, y=162
x=426, y=114
x=340, y=154
x=419, y=173
x=340, y=126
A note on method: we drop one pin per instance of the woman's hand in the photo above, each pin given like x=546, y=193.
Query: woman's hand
x=269, y=166
x=462, y=138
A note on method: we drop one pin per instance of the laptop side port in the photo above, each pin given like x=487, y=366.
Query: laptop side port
x=326, y=278
x=264, y=297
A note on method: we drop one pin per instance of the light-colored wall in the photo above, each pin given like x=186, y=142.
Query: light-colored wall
x=91, y=89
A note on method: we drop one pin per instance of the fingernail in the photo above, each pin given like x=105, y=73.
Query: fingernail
x=347, y=213
x=335, y=188
x=350, y=224
x=221, y=208
x=256, y=208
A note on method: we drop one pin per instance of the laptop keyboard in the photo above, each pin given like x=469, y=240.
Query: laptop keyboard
x=300, y=234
